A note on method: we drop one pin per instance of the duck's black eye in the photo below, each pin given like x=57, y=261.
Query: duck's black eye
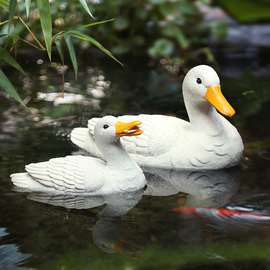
x=105, y=126
x=199, y=81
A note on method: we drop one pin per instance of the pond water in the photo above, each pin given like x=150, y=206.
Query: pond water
x=140, y=230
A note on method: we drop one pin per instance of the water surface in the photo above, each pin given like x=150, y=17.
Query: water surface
x=131, y=231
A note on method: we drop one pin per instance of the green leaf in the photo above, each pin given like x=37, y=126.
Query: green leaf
x=60, y=49
x=175, y=32
x=121, y=23
x=9, y=59
x=58, y=35
x=218, y=29
x=182, y=40
x=27, y=7
x=12, y=7
x=46, y=23
x=162, y=47
x=122, y=48
x=187, y=7
x=4, y=2
x=14, y=31
x=95, y=23
x=156, y=2
x=6, y=84
x=71, y=53
x=93, y=41
x=84, y=4
x=168, y=8
x=246, y=10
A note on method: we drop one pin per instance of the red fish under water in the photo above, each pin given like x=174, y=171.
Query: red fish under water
x=223, y=213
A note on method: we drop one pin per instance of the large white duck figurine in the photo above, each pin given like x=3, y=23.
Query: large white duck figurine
x=81, y=174
x=208, y=141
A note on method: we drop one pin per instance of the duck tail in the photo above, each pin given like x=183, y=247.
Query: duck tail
x=26, y=181
x=21, y=179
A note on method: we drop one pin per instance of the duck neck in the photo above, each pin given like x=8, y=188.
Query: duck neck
x=205, y=118
x=116, y=155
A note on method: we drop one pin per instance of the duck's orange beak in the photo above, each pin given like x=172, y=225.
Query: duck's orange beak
x=216, y=98
x=128, y=129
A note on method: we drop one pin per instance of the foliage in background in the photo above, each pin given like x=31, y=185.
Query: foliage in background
x=246, y=10
x=157, y=28
x=14, y=27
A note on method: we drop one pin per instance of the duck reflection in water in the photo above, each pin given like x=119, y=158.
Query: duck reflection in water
x=106, y=232
x=212, y=188
x=116, y=205
x=203, y=188
x=208, y=188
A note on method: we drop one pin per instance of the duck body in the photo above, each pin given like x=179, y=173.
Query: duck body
x=80, y=174
x=181, y=147
x=208, y=141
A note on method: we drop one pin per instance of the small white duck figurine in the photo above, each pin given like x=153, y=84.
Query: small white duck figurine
x=81, y=174
x=208, y=141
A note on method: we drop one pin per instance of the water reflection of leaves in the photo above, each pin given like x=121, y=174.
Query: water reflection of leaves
x=250, y=89
x=10, y=256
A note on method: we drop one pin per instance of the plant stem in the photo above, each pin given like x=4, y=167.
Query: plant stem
x=21, y=20
x=32, y=34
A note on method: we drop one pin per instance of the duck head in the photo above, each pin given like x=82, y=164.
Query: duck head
x=202, y=84
x=109, y=129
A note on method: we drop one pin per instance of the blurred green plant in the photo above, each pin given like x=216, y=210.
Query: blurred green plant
x=12, y=28
x=161, y=28
x=157, y=28
x=246, y=10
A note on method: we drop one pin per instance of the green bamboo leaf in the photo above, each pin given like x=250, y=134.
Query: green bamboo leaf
x=9, y=59
x=58, y=35
x=71, y=53
x=93, y=41
x=84, y=4
x=60, y=49
x=46, y=23
x=6, y=84
x=12, y=7
x=95, y=23
x=4, y=2
x=27, y=7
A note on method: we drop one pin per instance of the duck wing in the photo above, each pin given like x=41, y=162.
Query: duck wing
x=69, y=174
x=158, y=138
x=196, y=151
x=84, y=138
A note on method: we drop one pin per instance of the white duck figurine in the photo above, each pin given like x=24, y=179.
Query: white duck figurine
x=80, y=174
x=208, y=141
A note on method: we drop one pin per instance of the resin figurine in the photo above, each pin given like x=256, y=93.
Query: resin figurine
x=89, y=175
x=208, y=141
